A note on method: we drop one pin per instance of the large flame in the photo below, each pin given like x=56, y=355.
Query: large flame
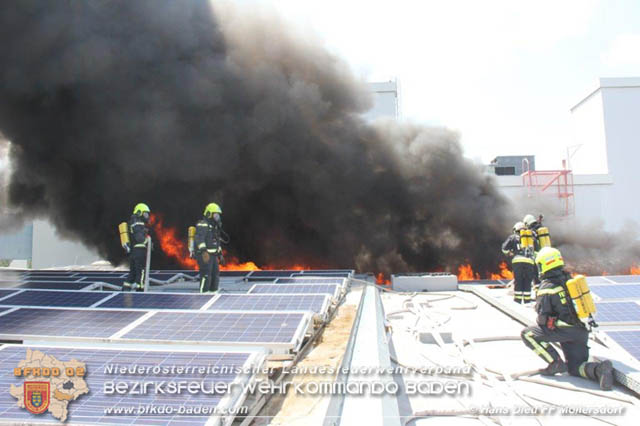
x=176, y=248
x=170, y=244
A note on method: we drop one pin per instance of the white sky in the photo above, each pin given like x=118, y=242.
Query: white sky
x=503, y=73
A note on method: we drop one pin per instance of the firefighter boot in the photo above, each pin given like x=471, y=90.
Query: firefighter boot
x=601, y=372
x=556, y=367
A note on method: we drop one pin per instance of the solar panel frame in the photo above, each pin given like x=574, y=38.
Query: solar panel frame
x=615, y=291
x=271, y=273
x=97, y=359
x=155, y=328
x=316, y=303
x=55, y=298
x=332, y=289
x=618, y=313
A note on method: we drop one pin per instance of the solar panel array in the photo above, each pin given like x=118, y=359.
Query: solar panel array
x=130, y=300
x=91, y=407
x=5, y=293
x=55, y=298
x=629, y=340
x=330, y=289
x=65, y=322
x=49, y=306
x=271, y=302
x=219, y=327
x=614, y=291
x=618, y=312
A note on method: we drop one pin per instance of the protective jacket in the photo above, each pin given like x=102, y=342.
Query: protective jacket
x=511, y=246
x=138, y=231
x=553, y=300
x=207, y=236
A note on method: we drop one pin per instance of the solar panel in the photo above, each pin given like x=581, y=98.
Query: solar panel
x=617, y=291
x=618, y=312
x=65, y=322
x=625, y=279
x=219, y=327
x=70, y=299
x=5, y=292
x=330, y=289
x=43, y=278
x=310, y=280
x=310, y=271
x=629, y=340
x=155, y=301
x=91, y=407
x=55, y=285
x=597, y=280
x=316, y=303
x=108, y=280
x=4, y=309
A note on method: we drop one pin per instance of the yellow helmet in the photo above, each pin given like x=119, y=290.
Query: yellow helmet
x=141, y=208
x=549, y=258
x=211, y=209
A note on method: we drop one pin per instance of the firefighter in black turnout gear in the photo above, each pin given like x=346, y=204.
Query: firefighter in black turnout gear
x=138, y=231
x=208, y=251
x=557, y=321
x=522, y=263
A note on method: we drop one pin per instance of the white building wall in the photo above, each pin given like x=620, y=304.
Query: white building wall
x=606, y=166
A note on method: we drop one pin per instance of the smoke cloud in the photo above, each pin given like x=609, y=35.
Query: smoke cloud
x=111, y=103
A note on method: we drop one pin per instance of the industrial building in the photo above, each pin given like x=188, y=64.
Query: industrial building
x=600, y=170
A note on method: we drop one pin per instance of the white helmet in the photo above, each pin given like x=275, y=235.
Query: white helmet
x=529, y=220
x=518, y=226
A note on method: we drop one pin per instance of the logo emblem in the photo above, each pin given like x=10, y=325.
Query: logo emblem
x=36, y=396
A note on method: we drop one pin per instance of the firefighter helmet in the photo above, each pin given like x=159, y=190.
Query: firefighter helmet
x=549, y=258
x=141, y=208
x=529, y=220
x=211, y=209
x=518, y=226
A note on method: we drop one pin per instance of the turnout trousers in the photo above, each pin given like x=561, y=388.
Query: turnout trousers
x=137, y=263
x=523, y=274
x=209, y=273
x=572, y=339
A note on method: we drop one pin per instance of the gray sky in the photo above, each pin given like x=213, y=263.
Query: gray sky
x=503, y=73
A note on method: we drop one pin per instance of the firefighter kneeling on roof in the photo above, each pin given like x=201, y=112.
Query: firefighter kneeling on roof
x=558, y=321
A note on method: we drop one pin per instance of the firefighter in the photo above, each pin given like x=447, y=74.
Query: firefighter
x=138, y=233
x=557, y=321
x=522, y=265
x=533, y=224
x=208, y=251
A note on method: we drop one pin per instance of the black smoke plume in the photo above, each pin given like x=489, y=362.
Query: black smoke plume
x=111, y=103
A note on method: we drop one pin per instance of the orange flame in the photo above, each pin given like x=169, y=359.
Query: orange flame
x=170, y=244
x=381, y=280
x=177, y=249
x=505, y=273
x=634, y=270
x=465, y=273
